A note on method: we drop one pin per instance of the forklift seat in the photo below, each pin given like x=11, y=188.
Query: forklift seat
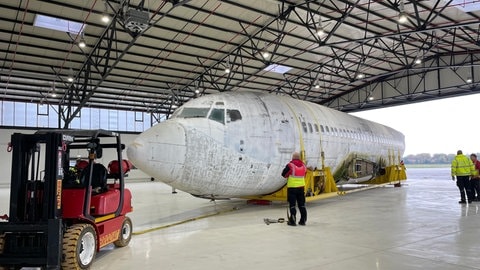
x=99, y=177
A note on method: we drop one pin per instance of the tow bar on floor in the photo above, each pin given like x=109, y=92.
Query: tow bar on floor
x=268, y=221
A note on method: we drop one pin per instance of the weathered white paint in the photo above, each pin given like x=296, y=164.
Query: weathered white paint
x=245, y=157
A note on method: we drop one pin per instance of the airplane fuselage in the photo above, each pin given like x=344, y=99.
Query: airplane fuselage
x=236, y=144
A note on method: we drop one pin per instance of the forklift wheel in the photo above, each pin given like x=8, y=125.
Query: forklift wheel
x=79, y=246
x=125, y=233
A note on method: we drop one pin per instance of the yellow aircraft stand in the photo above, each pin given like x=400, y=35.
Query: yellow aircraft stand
x=319, y=184
x=393, y=174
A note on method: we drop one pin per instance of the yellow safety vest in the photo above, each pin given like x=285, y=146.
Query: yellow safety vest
x=462, y=166
x=297, y=176
x=476, y=171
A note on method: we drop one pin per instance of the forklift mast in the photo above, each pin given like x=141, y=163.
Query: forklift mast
x=33, y=235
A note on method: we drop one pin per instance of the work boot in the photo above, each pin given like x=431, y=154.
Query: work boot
x=292, y=221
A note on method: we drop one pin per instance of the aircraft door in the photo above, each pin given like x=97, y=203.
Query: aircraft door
x=286, y=137
x=282, y=125
x=235, y=134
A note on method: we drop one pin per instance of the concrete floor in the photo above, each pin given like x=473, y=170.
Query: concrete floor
x=417, y=226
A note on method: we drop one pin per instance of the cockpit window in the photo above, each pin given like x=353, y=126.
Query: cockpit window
x=233, y=115
x=187, y=112
x=217, y=115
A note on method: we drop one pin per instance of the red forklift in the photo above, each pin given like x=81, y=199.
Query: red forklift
x=64, y=208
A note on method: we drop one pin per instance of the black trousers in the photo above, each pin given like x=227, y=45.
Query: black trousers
x=463, y=184
x=475, y=185
x=296, y=196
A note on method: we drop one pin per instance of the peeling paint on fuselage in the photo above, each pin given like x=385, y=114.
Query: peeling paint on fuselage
x=244, y=155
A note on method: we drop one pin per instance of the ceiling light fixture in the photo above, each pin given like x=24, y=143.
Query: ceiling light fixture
x=469, y=80
x=54, y=94
x=265, y=54
x=70, y=75
x=360, y=76
x=105, y=16
x=320, y=30
x=227, y=65
x=418, y=61
x=402, y=16
x=82, y=43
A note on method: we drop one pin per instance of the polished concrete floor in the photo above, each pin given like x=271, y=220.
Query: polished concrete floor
x=417, y=226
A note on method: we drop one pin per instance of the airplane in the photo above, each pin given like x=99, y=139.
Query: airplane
x=236, y=144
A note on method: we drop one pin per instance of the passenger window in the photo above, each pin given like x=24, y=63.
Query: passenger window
x=322, y=129
x=328, y=129
x=233, y=115
x=310, y=129
x=218, y=115
x=316, y=128
x=304, y=125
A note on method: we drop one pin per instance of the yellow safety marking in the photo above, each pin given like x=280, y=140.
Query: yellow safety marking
x=321, y=196
x=107, y=217
x=109, y=238
x=59, y=194
x=182, y=222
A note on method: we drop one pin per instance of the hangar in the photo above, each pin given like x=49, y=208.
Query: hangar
x=150, y=55
x=65, y=67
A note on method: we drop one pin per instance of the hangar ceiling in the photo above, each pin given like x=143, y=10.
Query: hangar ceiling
x=155, y=55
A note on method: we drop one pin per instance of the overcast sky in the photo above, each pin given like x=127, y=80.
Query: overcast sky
x=440, y=126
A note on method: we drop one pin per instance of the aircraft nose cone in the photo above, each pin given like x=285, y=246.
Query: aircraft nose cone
x=160, y=151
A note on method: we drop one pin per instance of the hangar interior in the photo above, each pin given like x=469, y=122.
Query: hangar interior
x=143, y=59
x=151, y=56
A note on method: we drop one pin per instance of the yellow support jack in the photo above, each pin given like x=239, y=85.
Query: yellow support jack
x=393, y=174
x=319, y=184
